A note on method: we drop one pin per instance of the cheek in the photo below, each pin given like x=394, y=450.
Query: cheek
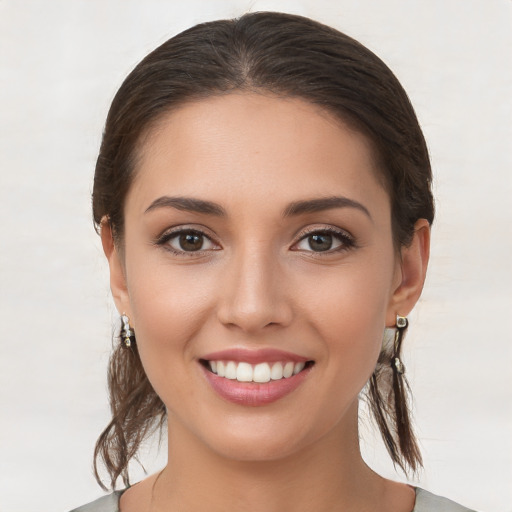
x=167, y=295
x=169, y=307
x=349, y=314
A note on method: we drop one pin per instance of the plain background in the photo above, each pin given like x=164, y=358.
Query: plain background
x=61, y=62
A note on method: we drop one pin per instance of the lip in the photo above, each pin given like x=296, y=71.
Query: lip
x=253, y=394
x=265, y=355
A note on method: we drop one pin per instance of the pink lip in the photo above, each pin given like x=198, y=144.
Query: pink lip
x=252, y=393
x=265, y=355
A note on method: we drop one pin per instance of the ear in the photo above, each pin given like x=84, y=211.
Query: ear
x=117, y=273
x=411, y=272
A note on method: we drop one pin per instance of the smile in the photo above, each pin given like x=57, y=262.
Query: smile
x=255, y=378
x=261, y=373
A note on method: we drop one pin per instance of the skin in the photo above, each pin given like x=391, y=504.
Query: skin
x=257, y=283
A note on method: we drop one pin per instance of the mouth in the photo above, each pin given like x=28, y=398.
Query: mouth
x=255, y=377
x=261, y=373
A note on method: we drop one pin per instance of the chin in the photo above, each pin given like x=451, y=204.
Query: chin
x=264, y=439
x=268, y=449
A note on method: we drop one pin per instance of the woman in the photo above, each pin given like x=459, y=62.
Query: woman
x=263, y=194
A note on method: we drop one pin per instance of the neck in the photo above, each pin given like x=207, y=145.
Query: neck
x=328, y=474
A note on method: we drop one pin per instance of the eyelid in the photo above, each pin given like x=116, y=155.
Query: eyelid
x=347, y=240
x=173, y=232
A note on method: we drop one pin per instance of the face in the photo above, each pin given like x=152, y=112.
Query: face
x=257, y=245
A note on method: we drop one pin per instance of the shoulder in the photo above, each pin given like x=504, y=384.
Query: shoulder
x=428, y=502
x=109, y=503
x=425, y=502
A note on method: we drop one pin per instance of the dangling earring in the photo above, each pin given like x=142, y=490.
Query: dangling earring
x=401, y=325
x=127, y=334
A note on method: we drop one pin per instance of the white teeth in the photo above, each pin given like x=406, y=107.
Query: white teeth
x=244, y=372
x=231, y=370
x=261, y=373
x=277, y=371
x=298, y=368
x=288, y=370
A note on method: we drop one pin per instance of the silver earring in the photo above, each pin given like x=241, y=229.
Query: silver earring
x=401, y=325
x=127, y=333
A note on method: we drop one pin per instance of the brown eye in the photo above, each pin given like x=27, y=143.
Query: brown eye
x=320, y=243
x=325, y=240
x=191, y=242
x=188, y=241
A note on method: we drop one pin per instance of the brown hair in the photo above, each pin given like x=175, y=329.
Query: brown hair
x=285, y=55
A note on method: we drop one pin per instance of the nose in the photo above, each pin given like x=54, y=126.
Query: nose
x=254, y=295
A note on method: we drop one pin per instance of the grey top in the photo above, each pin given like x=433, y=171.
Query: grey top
x=425, y=502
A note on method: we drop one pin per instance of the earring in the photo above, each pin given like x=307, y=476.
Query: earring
x=401, y=325
x=127, y=333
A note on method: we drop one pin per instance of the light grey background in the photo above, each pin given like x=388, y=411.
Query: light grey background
x=60, y=64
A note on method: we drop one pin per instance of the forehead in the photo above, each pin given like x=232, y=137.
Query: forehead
x=274, y=146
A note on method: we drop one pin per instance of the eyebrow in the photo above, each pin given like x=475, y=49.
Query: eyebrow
x=295, y=208
x=188, y=204
x=323, y=203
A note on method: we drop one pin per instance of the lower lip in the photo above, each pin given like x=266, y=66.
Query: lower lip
x=252, y=393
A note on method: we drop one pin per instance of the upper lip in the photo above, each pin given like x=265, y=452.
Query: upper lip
x=264, y=355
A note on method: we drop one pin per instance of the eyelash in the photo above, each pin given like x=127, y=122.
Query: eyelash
x=165, y=238
x=347, y=241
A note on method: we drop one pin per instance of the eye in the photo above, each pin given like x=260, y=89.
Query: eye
x=325, y=240
x=186, y=241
